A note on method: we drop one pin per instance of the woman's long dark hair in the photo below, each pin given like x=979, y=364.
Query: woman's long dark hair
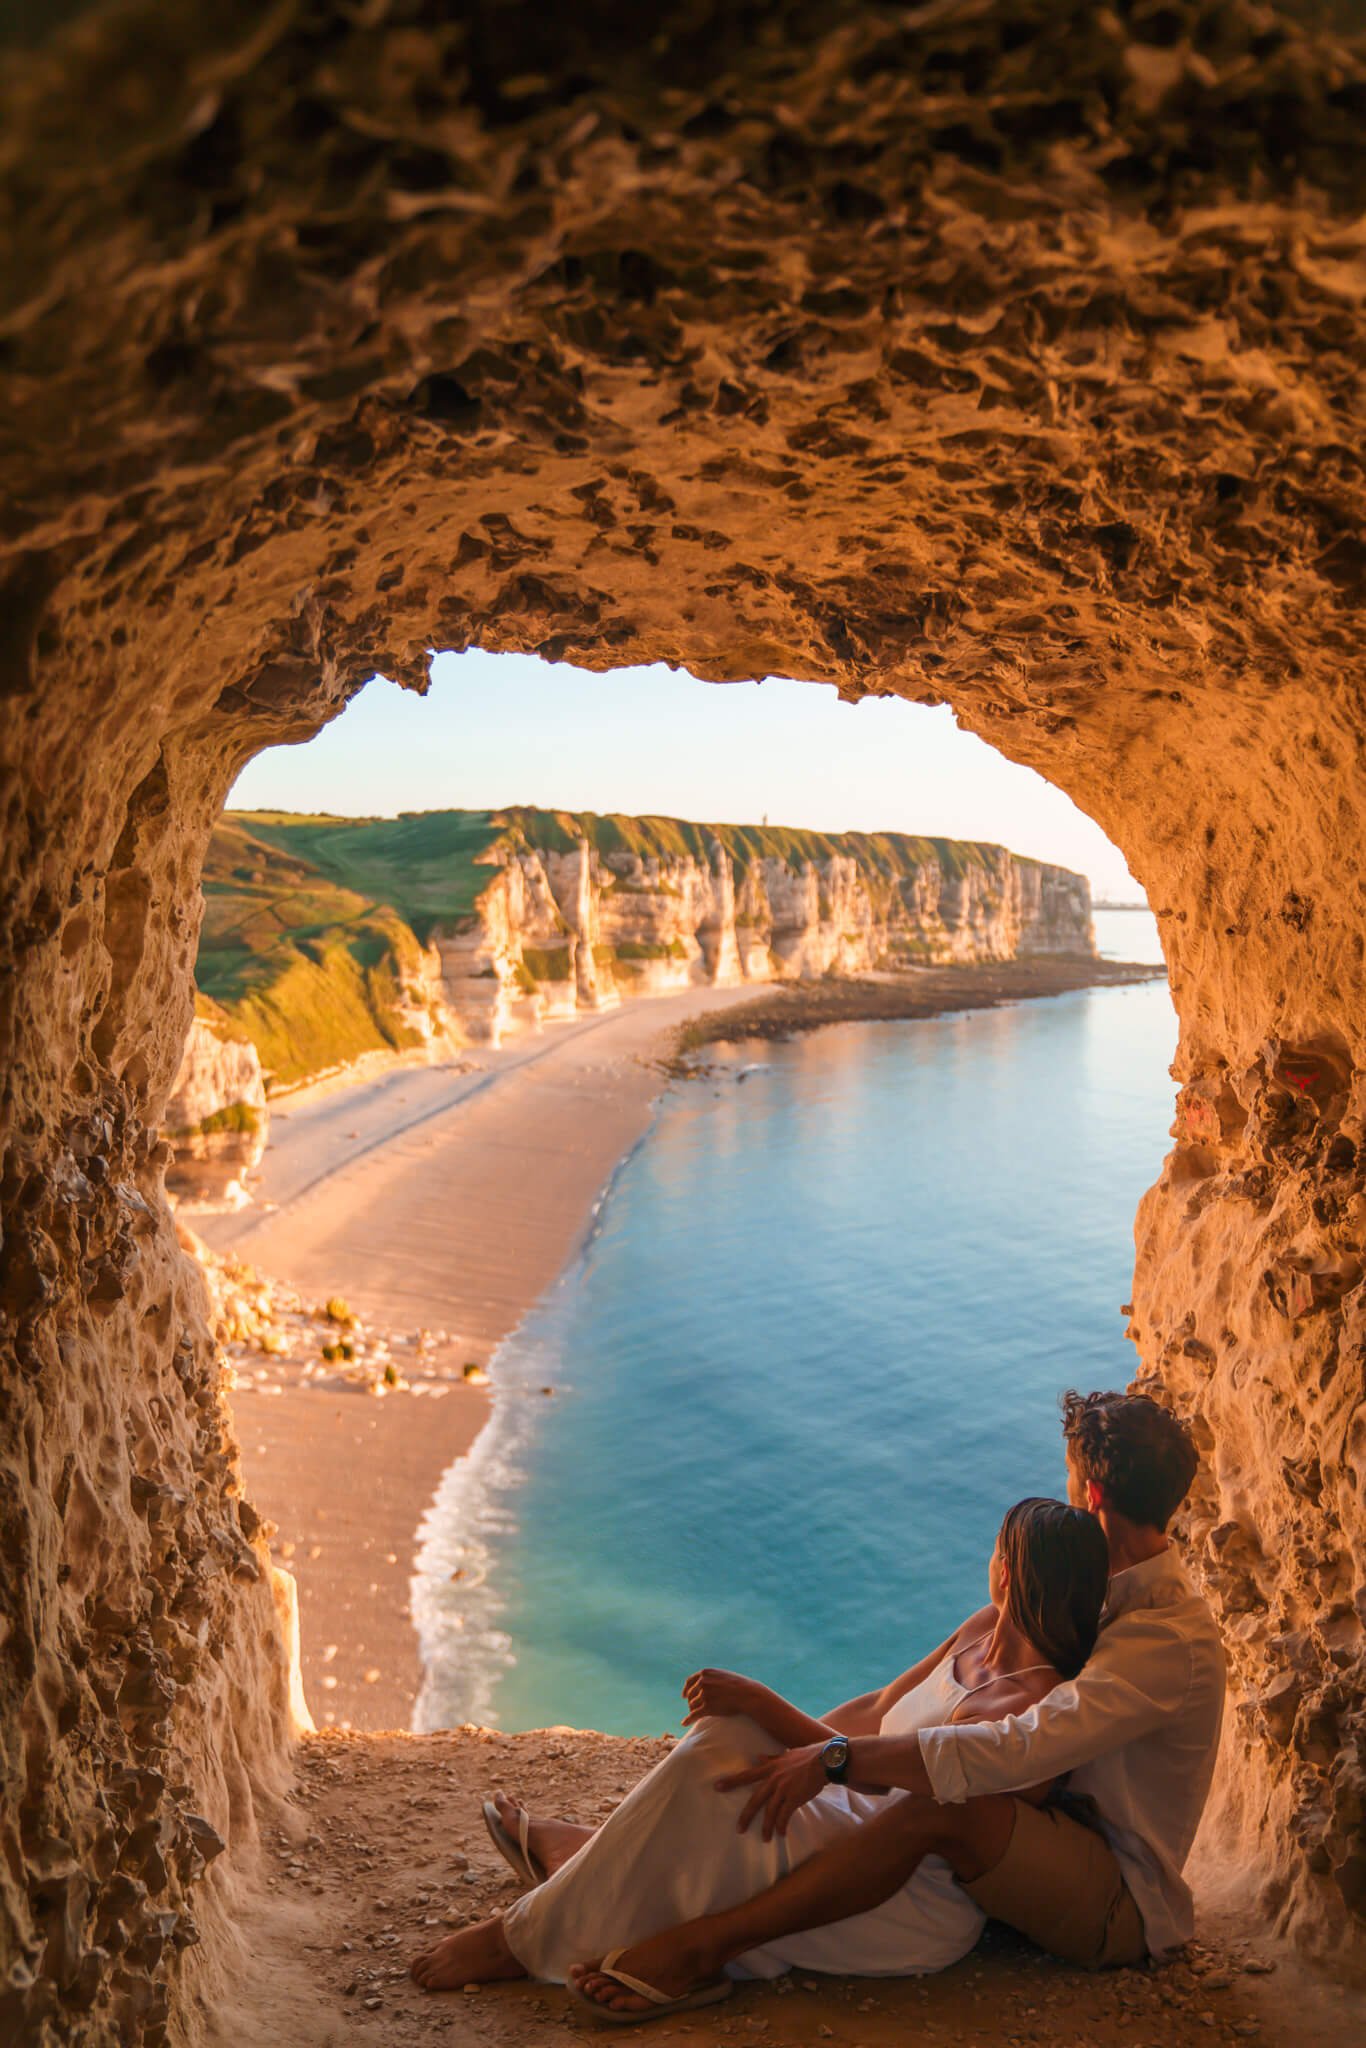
x=1059, y=1565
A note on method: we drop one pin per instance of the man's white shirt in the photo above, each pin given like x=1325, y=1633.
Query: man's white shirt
x=1137, y=1729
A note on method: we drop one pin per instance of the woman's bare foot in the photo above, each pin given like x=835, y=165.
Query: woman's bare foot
x=675, y=1963
x=552, y=1842
x=472, y=1955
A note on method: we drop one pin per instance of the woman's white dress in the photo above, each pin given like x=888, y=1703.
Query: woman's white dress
x=672, y=1851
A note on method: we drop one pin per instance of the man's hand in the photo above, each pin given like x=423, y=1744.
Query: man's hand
x=720, y=1692
x=781, y=1785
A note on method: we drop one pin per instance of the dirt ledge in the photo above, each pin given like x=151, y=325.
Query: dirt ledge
x=385, y=1846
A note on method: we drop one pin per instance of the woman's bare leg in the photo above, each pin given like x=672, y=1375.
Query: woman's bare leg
x=472, y=1955
x=552, y=1842
x=858, y=1872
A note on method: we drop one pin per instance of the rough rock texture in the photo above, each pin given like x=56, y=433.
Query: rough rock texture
x=561, y=929
x=1007, y=356
x=216, y=1120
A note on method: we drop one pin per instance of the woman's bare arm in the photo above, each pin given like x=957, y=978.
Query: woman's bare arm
x=864, y=1715
x=893, y=1763
x=712, y=1691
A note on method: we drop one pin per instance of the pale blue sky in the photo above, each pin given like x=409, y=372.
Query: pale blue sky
x=501, y=729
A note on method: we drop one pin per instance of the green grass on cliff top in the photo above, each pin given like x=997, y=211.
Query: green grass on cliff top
x=421, y=864
x=894, y=853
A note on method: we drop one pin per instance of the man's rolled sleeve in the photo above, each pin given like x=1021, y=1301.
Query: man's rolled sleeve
x=1138, y=1676
x=943, y=1763
x=966, y=1759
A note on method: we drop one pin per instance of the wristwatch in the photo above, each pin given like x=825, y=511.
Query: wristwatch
x=835, y=1758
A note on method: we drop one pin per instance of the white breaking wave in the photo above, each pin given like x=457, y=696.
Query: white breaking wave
x=456, y=1602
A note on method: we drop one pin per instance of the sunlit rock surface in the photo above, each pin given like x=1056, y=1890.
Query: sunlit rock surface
x=216, y=1118
x=1007, y=357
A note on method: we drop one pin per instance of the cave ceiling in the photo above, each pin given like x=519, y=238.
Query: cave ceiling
x=1009, y=353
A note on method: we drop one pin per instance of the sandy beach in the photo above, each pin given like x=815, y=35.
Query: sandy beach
x=440, y=1202
x=439, y=1199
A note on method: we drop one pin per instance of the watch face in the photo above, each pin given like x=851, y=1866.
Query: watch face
x=836, y=1753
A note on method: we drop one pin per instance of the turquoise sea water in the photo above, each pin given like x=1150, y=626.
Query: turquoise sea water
x=811, y=1353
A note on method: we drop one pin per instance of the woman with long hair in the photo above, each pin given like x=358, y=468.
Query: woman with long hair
x=678, y=1848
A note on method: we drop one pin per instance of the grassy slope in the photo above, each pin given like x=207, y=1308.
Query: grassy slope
x=304, y=965
x=421, y=864
x=308, y=918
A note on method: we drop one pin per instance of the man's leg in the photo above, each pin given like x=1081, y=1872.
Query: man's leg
x=861, y=1870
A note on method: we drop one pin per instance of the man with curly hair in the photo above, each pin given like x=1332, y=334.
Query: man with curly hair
x=1091, y=1873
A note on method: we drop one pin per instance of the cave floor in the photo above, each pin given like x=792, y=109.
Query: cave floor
x=381, y=1846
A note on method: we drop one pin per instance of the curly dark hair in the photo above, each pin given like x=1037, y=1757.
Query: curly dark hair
x=1141, y=1456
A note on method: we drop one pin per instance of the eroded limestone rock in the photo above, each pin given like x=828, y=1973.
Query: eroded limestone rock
x=1006, y=357
x=217, y=1121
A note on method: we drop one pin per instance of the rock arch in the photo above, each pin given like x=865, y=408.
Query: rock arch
x=1000, y=356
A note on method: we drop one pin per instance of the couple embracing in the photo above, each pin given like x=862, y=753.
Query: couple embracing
x=1046, y=1766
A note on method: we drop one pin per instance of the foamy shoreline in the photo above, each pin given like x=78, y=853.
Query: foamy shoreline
x=473, y=1190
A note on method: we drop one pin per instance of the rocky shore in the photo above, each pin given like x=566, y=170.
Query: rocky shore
x=786, y=1008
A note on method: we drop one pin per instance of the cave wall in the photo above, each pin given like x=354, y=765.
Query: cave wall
x=1006, y=357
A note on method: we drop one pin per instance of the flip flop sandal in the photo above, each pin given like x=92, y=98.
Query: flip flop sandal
x=662, y=2006
x=514, y=1852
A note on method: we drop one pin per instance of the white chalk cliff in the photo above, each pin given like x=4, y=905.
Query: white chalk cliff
x=563, y=928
